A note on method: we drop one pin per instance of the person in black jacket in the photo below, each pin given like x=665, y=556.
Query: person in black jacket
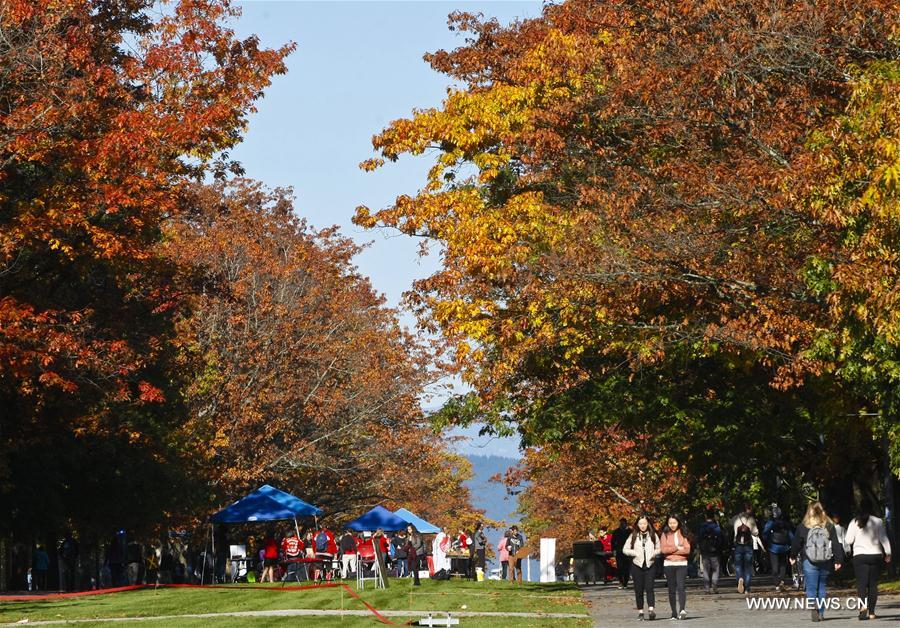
x=477, y=551
x=817, y=547
x=623, y=562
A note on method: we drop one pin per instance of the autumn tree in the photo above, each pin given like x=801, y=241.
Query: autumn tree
x=618, y=191
x=595, y=479
x=304, y=377
x=110, y=108
x=852, y=186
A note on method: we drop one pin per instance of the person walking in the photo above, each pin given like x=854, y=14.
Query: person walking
x=415, y=549
x=675, y=548
x=746, y=539
x=816, y=546
x=623, y=562
x=68, y=563
x=710, y=541
x=867, y=538
x=41, y=566
x=348, y=554
x=479, y=544
x=779, y=534
x=398, y=550
x=515, y=544
x=642, y=547
x=503, y=554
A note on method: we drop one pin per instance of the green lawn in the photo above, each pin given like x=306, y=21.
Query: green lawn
x=887, y=585
x=433, y=596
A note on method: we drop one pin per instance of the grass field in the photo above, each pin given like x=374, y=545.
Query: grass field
x=401, y=596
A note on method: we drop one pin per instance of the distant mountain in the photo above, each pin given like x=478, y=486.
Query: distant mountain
x=492, y=495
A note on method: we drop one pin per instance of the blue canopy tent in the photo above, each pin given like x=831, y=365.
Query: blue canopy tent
x=378, y=517
x=421, y=525
x=266, y=503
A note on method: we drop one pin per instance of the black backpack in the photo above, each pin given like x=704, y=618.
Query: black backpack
x=710, y=541
x=780, y=533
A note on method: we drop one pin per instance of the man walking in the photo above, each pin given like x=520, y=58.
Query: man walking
x=710, y=543
x=514, y=545
x=623, y=562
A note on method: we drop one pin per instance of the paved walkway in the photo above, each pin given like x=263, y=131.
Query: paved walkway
x=612, y=607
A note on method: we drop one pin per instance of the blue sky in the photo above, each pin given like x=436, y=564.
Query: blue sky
x=358, y=65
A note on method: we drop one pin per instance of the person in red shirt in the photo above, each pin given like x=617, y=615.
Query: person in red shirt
x=292, y=548
x=605, y=540
x=270, y=557
x=465, y=543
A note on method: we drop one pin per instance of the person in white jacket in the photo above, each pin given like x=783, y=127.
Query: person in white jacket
x=746, y=539
x=439, y=548
x=867, y=539
x=642, y=545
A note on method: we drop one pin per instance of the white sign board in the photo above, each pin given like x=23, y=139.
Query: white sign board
x=548, y=560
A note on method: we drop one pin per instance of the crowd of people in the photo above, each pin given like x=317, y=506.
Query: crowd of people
x=814, y=549
x=319, y=554
x=237, y=554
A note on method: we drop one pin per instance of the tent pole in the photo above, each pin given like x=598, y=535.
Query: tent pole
x=296, y=527
x=212, y=542
x=203, y=566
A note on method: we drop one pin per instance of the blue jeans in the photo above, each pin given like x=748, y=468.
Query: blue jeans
x=743, y=563
x=816, y=578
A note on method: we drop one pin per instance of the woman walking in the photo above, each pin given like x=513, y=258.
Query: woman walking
x=675, y=548
x=415, y=549
x=817, y=548
x=503, y=554
x=642, y=546
x=868, y=540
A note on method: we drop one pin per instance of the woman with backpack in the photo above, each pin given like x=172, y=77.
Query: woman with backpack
x=817, y=548
x=746, y=540
x=779, y=536
x=675, y=548
x=642, y=546
x=867, y=539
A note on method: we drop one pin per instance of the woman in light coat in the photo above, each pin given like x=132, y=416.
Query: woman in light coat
x=642, y=545
x=868, y=540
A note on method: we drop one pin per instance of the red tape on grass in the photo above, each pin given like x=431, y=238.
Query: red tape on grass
x=326, y=585
x=62, y=596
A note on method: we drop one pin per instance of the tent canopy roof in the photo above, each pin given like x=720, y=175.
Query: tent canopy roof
x=378, y=517
x=422, y=526
x=266, y=503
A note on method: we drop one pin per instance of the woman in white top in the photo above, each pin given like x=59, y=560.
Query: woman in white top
x=439, y=548
x=868, y=540
x=643, y=547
